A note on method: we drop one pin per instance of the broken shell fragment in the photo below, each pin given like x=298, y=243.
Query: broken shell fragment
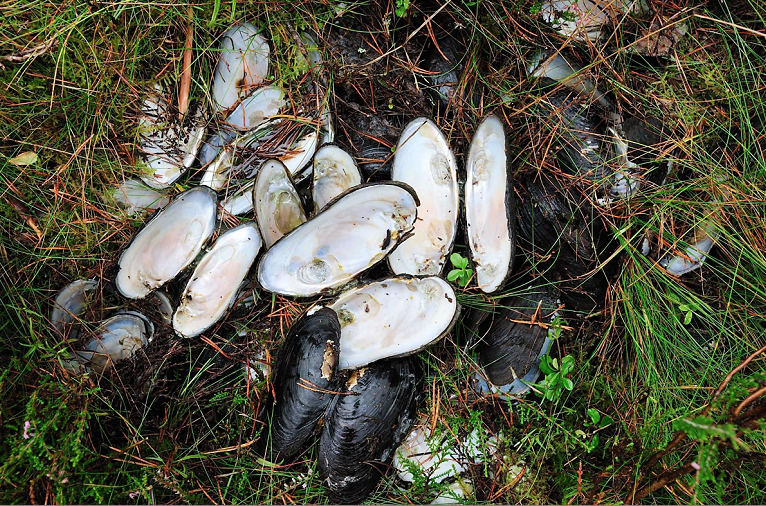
x=213, y=285
x=393, y=317
x=356, y=231
x=424, y=161
x=168, y=243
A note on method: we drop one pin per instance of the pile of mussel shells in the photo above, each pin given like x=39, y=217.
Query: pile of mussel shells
x=344, y=373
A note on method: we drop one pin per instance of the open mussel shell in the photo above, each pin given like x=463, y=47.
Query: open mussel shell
x=304, y=381
x=168, y=243
x=393, y=317
x=117, y=338
x=278, y=207
x=424, y=161
x=366, y=424
x=489, y=206
x=334, y=172
x=71, y=302
x=242, y=64
x=257, y=108
x=214, y=284
x=510, y=349
x=356, y=231
x=136, y=198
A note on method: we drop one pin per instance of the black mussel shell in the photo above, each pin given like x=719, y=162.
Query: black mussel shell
x=579, y=130
x=509, y=349
x=366, y=425
x=562, y=233
x=304, y=381
x=447, y=62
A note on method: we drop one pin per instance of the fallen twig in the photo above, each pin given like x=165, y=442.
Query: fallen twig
x=29, y=54
x=185, y=89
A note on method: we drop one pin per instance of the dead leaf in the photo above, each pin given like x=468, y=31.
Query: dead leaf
x=26, y=158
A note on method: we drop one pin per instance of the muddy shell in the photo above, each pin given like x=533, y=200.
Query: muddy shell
x=366, y=425
x=304, y=380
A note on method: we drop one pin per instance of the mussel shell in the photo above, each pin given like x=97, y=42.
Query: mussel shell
x=334, y=172
x=168, y=243
x=558, y=226
x=366, y=425
x=489, y=206
x=509, y=349
x=278, y=207
x=579, y=131
x=71, y=302
x=243, y=62
x=118, y=338
x=447, y=71
x=304, y=379
x=425, y=161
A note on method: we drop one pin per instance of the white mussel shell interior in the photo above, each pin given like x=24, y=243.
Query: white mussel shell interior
x=695, y=254
x=393, y=317
x=71, y=302
x=490, y=236
x=584, y=19
x=278, y=208
x=118, y=338
x=358, y=230
x=424, y=161
x=334, y=173
x=168, y=243
x=240, y=201
x=135, y=197
x=168, y=147
x=242, y=64
x=257, y=108
x=559, y=69
x=216, y=176
x=215, y=281
x=299, y=155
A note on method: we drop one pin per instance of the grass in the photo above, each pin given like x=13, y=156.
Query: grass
x=180, y=424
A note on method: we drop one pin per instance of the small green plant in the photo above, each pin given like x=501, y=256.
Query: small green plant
x=461, y=272
x=688, y=310
x=556, y=380
x=401, y=7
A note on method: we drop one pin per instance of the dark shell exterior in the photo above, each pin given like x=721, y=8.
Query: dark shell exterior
x=579, y=131
x=509, y=347
x=559, y=228
x=366, y=425
x=304, y=381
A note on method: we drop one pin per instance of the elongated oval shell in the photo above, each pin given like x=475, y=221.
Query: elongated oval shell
x=215, y=281
x=334, y=172
x=299, y=155
x=242, y=64
x=257, y=108
x=278, y=207
x=360, y=436
x=519, y=333
x=489, y=212
x=137, y=198
x=168, y=243
x=353, y=233
x=304, y=380
x=424, y=161
x=393, y=317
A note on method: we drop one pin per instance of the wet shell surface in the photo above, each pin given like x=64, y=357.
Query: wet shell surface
x=278, y=207
x=242, y=64
x=365, y=426
x=257, y=108
x=213, y=285
x=489, y=211
x=334, y=172
x=168, y=243
x=299, y=155
x=304, y=381
x=393, y=317
x=137, y=198
x=510, y=349
x=117, y=339
x=424, y=161
x=71, y=302
x=356, y=231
